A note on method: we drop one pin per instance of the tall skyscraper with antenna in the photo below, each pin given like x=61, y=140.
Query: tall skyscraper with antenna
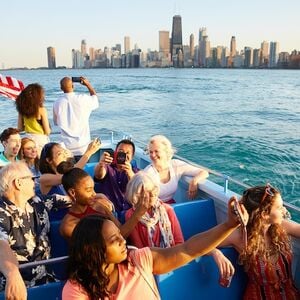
x=176, y=39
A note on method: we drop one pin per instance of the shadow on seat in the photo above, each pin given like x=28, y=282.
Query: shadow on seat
x=59, y=247
x=195, y=216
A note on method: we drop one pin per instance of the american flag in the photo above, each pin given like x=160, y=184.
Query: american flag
x=10, y=87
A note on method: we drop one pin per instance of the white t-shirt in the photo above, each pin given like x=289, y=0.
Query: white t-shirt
x=72, y=116
x=177, y=169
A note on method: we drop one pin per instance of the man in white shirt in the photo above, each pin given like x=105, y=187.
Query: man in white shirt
x=71, y=113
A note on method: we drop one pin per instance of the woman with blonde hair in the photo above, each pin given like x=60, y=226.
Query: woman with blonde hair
x=167, y=171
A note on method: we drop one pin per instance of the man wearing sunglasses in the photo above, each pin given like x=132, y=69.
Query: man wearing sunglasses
x=24, y=230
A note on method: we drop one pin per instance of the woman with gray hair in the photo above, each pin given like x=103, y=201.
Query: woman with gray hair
x=159, y=226
x=167, y=171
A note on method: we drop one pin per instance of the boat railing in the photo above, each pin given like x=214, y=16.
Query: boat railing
x=49, y=261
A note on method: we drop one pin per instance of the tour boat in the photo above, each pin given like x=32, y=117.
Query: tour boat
x=196, y=280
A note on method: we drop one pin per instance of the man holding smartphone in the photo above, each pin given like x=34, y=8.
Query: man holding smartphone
x=71, y=113
x=113, y=172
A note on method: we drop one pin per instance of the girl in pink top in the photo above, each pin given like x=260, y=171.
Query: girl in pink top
x=159, y=226
x=101, y=267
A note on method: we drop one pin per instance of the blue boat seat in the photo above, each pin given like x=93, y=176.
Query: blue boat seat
x=49, y=291
x=200, y=280
x=195, y=216
x=59, y=247
x=89, y=168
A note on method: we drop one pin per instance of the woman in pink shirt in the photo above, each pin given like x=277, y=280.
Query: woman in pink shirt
x=101, y=267
x=159, y=226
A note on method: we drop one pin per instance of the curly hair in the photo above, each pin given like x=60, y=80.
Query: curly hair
x=30, y=100
x=87, y=257
x=259, y=203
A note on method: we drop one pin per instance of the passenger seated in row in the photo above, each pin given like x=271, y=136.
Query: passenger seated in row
x=267, y=256
x=167, y=171
x=24, y=230
x=80, y=187
x=112, y=176
x=159, y=226
x=29, y=154
x=114, y=272
x=11, y=141
x=51, y=156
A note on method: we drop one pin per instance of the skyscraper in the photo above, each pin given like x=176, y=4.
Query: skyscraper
x=192, y=47
x=164, y=42
x=176, y=36
x=83, y=48
x=273, y=57
x=233, y=47
x=126, y=44
x=51, y=58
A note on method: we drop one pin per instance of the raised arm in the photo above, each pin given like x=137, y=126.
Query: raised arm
x=100, y=169
x=292, y=228
x=165, y=260
x=85, y=82
x=49, y=180
x=15, y=287
x=92, y=148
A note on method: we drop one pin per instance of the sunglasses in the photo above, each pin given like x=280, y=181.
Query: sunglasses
x=268, y=192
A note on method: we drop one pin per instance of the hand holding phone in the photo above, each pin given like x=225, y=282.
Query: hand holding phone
x=238, y=213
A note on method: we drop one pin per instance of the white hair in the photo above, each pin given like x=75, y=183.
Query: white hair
x=134, y=186
x=11, y=172
x=165, y=142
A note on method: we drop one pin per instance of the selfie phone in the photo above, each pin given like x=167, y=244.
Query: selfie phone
x=121, y=158
x=76, y=79
x=238, y=212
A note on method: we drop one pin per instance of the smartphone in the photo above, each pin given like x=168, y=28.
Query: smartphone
x=76, y=79
x=121, y=158
x=238, y=212
x=110, y=151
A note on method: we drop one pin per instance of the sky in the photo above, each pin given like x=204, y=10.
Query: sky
x=29, y=27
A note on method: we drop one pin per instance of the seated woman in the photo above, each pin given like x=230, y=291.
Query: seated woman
x=28, y=152
x=80, y=187
x=267, y=255
x=51, y=156
x=159, y=226
x=167, y=171
x=101, y=267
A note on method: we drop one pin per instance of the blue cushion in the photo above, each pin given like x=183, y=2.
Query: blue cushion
x=195, y=216
x=200, y=280
x=59, y=247
x=50, y=291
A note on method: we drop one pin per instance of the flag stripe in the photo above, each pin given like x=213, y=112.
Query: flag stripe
x=10, y=87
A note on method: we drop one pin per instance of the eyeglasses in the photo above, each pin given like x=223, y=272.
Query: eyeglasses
x=268, y=192
x=29, y=176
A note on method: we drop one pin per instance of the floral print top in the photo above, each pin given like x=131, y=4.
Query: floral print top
x=27, y=231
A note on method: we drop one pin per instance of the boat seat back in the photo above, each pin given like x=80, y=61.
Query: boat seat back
x=59, y=247
x=195, y=216
x=200, y=280
x=49, y=291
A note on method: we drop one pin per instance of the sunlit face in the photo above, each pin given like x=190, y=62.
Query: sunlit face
x=59, y=154
x=30, y=150
x=116, y=250
x=150, y=191
x=127, y=149
x=12, y=145
x=26, y=182
x=277, y=210
x=84, y=192
x=157, y=153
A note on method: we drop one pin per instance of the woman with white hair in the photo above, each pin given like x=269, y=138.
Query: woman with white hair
x=159, y=226
x=167, y=171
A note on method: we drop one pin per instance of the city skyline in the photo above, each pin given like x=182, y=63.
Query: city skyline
x=36, y=26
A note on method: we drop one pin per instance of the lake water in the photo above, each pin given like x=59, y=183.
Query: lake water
x=242, y=123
